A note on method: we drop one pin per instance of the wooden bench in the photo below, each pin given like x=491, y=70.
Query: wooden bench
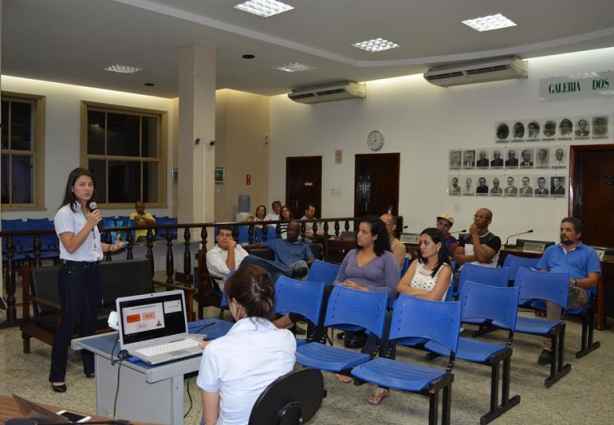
x=120, y=278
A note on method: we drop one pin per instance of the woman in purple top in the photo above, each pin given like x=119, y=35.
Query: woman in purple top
x=370, y=267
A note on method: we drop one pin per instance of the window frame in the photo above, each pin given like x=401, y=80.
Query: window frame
x=38, y=148
x=162, y=158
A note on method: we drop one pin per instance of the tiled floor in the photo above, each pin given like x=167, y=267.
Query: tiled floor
x=584, y=396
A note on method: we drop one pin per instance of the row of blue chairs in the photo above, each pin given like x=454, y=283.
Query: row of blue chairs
x=124, y=221
x=416, y=319
x=24, y=245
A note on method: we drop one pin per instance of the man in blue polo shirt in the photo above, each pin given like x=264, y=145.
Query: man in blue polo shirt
x=580, y=261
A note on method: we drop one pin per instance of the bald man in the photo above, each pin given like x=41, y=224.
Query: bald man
x=396, y=246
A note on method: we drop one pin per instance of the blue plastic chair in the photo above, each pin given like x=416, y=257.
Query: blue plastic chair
x=587, y=314
x=406, y=263
x=498, y=306
x=491, y=276
x=297, y=296
x=417, y=318
x=323, y=271
x=553, y=287
x=167, y=220
x=346, y=306
x=513, y=263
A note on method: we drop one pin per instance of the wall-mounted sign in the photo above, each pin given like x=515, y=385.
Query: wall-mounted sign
x=593, y=84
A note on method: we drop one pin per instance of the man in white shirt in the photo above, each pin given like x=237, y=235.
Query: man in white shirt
x=310, y=213
x=226, y=256
x=275, y=210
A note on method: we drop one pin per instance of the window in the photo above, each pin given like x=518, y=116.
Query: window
x=22, y=151
x=126, y=151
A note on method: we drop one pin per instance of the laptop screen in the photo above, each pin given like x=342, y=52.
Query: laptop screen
x=151, y=319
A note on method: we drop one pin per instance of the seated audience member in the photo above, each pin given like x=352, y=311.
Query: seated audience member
x=286, y=215
x=275, y=210
x=428, y=278
x=370, y=267
x=142, y=219
x=444, y=223
x=310, y=214
x=291, y=256
x=237, y=367
x=479, y=246
x=259, y=216
x=396, y=246
x=581, y=262
x=226, y=256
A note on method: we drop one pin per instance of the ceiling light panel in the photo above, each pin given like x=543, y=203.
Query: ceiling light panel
x=123, y=69
x=376, y=45
x=263, y=8
x=489, y=23
x=294, y=67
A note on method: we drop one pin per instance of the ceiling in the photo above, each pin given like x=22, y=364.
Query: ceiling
x=70, y=41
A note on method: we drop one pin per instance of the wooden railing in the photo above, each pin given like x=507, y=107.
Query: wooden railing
x=206, y=234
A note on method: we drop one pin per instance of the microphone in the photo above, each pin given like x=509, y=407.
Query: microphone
x=507, y=245
x=92, y=206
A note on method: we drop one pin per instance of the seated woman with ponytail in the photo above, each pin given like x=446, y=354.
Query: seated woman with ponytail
x=237, y=367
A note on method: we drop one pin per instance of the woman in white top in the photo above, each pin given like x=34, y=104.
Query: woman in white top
x=237, y=367
x=428, y=277
x=79, y=279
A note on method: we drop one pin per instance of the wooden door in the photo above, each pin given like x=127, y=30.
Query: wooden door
x=591, y=198
x=376, y=184
x=304, y=184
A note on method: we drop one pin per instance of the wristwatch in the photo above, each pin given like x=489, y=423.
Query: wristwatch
x=575, y=282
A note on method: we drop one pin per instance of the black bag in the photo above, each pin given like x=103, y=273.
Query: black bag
x=355, y=339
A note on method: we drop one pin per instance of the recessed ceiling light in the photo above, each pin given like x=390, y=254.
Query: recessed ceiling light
x=489, y=23
x=376, y=45
x=264, y=8
x=294, y=67
x=123, y=69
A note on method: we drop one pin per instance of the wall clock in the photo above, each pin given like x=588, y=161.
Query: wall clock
x=375, y=141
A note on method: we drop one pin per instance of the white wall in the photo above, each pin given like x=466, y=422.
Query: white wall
x=423, y=122
x=62, y=127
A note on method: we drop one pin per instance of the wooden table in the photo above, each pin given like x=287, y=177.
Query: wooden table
x=10, y=410
x=607, y=273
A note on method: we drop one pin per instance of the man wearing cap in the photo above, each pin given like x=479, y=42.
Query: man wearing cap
x=396, y=246
x=444, y=223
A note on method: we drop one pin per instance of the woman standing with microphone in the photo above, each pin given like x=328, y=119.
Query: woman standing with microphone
x=79, y=280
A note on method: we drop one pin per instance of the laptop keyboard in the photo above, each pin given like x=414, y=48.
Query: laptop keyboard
x=167, y=348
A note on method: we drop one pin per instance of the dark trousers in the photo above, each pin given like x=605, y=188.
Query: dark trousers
x=80, y=288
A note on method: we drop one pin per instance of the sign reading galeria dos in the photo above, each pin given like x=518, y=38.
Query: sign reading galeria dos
x=591, y=84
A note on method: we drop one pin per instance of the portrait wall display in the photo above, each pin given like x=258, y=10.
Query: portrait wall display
x=516, y=167
x=553, y=129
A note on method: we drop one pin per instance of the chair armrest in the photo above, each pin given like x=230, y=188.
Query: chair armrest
x=44, y=302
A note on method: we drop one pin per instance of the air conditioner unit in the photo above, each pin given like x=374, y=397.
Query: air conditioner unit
x=329, y=93
x=478, y=72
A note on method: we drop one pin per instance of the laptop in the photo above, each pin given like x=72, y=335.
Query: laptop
x=149, y=323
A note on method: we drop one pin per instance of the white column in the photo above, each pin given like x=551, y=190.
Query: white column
x=196, y=161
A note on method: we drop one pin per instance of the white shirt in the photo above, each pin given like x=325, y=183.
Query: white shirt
x=216, y=261
x=243, y=363
x=68, y=221
x=272, y=216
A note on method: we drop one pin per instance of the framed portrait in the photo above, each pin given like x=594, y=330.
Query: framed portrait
x=220, y=175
